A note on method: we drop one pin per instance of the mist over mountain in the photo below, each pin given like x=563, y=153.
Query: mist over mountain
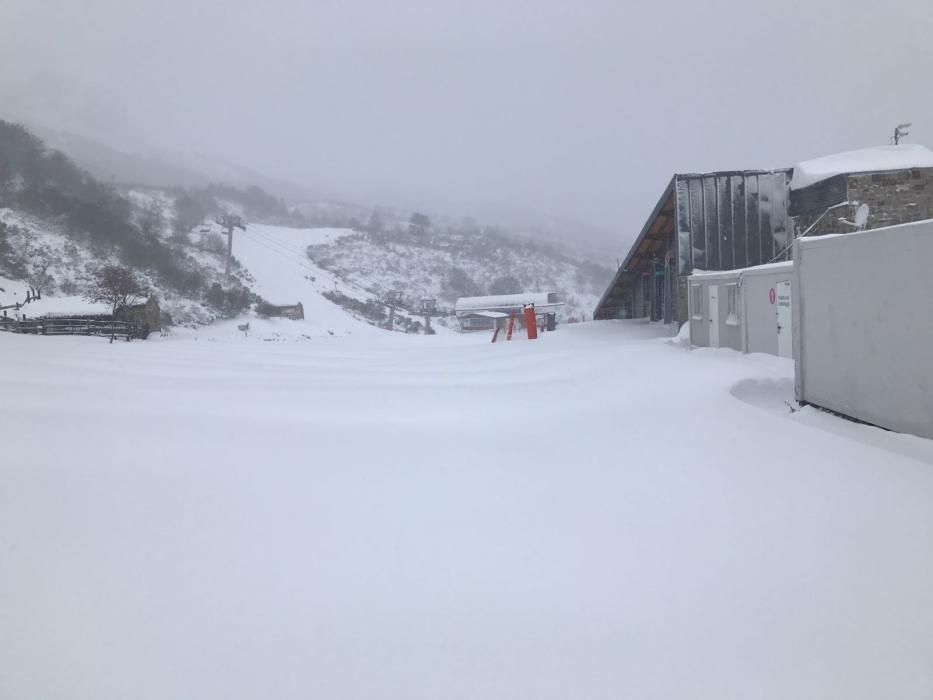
x=92, y=126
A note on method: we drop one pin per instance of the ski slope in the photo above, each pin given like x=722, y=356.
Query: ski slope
x=596, y=514
x=276, y=259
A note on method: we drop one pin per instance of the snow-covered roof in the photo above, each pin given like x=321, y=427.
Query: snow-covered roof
x=507, y=301
x=784, y=265
x=488, y=314
x=879, y=158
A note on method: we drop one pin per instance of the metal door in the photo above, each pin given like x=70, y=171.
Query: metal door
x=713, y=298
x=785, y=321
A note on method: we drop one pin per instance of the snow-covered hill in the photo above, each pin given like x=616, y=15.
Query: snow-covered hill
x=270, y=260
x=326, y=269
x=59, y=226
x=449, y=264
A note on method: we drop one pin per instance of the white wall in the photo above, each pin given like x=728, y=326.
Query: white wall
x=760, y=315
x=730, y=332
x=754, y=329
x=863, y=329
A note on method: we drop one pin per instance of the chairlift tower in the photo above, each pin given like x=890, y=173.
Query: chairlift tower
x=428, y=309
x=393, y=301
x=228, y=223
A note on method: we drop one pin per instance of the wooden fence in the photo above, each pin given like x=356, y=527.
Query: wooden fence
x=75, y=326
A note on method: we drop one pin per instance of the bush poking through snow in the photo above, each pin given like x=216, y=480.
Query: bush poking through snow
x=230, y=301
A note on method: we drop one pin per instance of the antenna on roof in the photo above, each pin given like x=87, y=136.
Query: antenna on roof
x=900, y=131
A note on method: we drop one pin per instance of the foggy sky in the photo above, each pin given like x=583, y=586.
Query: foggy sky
x=580, y=109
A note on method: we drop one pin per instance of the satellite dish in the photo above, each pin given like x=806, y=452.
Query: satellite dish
x=861, y=216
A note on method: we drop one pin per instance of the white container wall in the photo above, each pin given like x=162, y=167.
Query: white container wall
x=863, y=327
x=747, y=310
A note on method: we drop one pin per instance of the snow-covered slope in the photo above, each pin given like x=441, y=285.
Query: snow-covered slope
x=280, y=272
x=451, y=265
x=63, y=266
x=285, y=265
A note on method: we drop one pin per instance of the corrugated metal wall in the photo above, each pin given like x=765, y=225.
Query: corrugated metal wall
x=731, y=220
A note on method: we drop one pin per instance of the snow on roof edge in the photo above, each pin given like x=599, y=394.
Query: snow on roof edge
x=874, y=159
x=501, y=300
x=753, y=269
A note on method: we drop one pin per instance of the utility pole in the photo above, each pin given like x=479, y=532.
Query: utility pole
x=228, y=223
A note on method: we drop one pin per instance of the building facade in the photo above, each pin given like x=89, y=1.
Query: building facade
x=714, y=221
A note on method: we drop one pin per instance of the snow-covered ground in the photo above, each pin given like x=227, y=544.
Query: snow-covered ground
x=597, y=514
x=15, y=292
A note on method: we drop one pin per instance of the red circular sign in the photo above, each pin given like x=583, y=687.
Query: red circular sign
x=771, y=295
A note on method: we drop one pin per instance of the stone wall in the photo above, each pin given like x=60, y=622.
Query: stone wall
x=896, y=197
x=148, y=314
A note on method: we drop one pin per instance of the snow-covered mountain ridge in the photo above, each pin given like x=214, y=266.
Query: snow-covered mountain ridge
x=59, y=225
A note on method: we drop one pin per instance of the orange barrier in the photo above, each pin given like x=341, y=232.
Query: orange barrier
x=530, y=324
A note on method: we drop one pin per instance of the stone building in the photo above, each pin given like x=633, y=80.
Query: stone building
x=148, y=314
x=295, y=312
x=738, y=219
x=895, y=182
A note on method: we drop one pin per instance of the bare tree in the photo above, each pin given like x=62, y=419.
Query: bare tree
x=116, y=286
x=40, y=260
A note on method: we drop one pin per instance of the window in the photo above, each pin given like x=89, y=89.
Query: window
x=732, y=304
x=696, y=301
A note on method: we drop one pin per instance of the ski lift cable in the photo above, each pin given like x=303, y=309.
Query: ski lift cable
x=282, y=254
x=280, y=244
x=317, y=272
x=256, y=236
x=288, y=256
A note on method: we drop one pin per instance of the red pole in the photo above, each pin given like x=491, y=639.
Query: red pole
x=530, y=324
x=511, y=325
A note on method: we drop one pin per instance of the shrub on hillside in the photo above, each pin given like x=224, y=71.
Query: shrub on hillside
x=370, y=309
x=458, y=283
x=507, y=284
x=229, y=301
x=213, y=243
